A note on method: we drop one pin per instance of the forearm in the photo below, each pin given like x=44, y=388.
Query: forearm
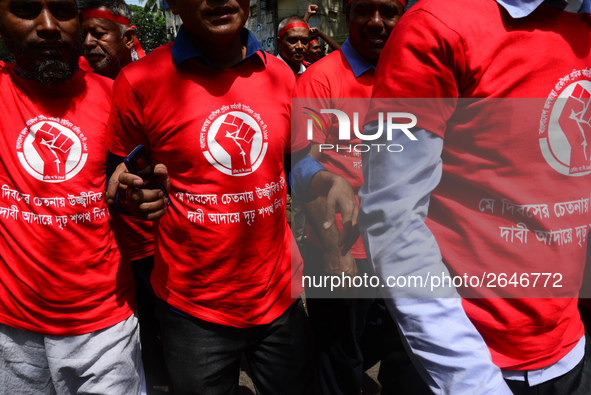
x=331, y=43
x=315, y=213
x=302, y=169
x=449, y=351
x=322, y=182
x=309, y=178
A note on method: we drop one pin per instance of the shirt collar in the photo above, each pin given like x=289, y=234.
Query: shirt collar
x=302, y=67
x=522, y=8
x=358, y=63
x=183, y=48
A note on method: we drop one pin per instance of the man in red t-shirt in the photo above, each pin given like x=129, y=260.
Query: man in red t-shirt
x=343, y=81
x=223, y=260
x=66, y=300
x=492, y=191
x=293, y=36
x=110, y=44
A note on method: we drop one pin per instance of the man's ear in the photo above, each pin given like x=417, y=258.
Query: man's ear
x=129, y=38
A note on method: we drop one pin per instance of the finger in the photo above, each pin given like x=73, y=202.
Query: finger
x=148, y=204
x=151, y=211
x=114, y=184
x=139, y=196
x=329, y=211
x=131, y=180
x=161, y=171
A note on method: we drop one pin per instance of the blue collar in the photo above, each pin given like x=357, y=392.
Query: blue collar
x=522, y=8
x=183, y=48
x=358, y=63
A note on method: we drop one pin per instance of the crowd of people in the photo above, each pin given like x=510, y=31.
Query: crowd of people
x=111, y=286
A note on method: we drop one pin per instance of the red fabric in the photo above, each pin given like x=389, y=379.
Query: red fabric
x=224, y=259
x=104, y=14
x=138, y=48
x=330, y=83
x=437, y=51
x=61, y=271
x=138, y=237
x=291, y=26
x=83, y=64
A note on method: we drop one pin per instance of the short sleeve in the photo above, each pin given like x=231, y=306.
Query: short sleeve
x=310, y=96
x=418, y=71
x=126, y=119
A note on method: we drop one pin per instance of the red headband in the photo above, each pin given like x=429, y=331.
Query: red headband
x=103, y=14
x=314, y=40
x=292, y=26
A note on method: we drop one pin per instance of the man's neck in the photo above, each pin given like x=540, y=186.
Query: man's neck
x=295, y=67
x=221, y=54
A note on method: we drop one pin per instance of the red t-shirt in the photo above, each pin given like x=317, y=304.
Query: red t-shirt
x=331, y=84
x=223, y=249
x=514, y=194
x=137, y=234
x=61, y=271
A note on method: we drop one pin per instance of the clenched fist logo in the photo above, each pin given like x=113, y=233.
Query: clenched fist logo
x=575, y=123
x=53, y=147
x=52, y=150
x=236, y=138
x=233, y=141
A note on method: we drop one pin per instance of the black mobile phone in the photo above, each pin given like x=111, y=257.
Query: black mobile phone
x=138, y=162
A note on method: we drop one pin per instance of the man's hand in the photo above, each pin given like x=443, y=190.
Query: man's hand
x=336, y=264
x=341, y=199
x=146, y=204
x=312, y=9
x=340, y=266
x=314, y=31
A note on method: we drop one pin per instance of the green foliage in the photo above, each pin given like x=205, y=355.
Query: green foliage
x=5, y=54
x=151, y=5
x=151, y=27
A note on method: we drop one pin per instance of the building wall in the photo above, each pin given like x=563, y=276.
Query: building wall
x=266, y=14
x=263, y=23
